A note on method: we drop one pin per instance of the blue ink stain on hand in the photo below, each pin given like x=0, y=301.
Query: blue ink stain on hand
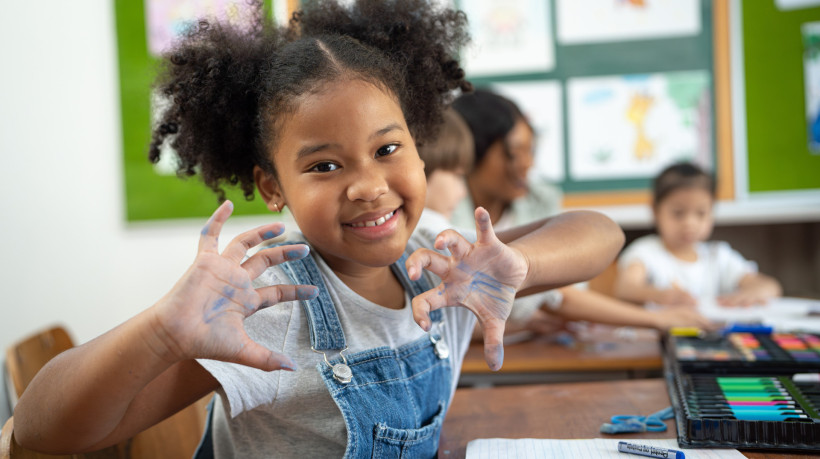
x=496, y=356
x=299, y=251
x=272, y=234
x=307, y=292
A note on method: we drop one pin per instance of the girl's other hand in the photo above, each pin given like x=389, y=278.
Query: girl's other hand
x=675, y=296
x=742, y=299
x=202, y=316
x=667, y=318
x=483, y=277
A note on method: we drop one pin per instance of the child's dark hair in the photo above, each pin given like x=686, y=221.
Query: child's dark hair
x=490, y=117
x=453, y=147
x=231, y=88
x=681, y=175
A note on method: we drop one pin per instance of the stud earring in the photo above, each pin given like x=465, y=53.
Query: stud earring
x=275, y=207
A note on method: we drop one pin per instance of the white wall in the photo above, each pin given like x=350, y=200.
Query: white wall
x=68, y=256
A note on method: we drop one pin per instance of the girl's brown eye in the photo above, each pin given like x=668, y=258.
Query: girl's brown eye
x=386, y=150
x=324, y=167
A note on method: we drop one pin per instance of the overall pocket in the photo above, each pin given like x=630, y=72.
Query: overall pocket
x=389, y=442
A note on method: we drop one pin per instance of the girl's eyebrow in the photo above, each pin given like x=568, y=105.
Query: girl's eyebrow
x=385, y=130
x=308, y=150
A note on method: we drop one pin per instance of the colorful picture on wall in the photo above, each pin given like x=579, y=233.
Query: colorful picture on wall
x=811, y=83
x=541, y=103
x=589, y=21
x=631, y=126
x=508, y=37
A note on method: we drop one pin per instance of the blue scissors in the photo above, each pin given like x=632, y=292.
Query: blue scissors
x=623, y=423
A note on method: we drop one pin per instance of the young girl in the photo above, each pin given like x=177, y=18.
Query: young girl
x=322, y=118
x=678, y=266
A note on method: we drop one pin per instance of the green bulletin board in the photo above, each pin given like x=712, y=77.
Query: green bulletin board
x=779, y=158
x=150, y=195
x=667, y=55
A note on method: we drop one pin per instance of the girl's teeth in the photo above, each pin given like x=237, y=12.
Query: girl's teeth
x=377, y=222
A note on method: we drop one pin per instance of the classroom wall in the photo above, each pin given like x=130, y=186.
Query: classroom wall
x=67, y=255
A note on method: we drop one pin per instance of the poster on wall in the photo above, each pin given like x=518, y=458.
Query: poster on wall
x=590, y=21
x=630, y=126
x=811, y=83
x=508, y=37
x=541, y=103
x=166, y=20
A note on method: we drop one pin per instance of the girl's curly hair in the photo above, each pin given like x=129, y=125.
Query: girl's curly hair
x=230, y=87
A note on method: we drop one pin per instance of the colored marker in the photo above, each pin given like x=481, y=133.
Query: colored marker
x=649, y=451
x=758, y=416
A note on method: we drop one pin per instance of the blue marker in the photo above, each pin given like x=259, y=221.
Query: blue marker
x=649, y=451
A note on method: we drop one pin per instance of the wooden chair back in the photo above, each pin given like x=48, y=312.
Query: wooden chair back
x=25, y=358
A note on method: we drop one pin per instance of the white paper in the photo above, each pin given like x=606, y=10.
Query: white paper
x=508, y=36
x=532, y=448
x=588, y=21
x=540, y=101
x=785, y=314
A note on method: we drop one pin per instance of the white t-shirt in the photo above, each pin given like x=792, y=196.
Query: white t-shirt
x=717, y=271
x=291, y=414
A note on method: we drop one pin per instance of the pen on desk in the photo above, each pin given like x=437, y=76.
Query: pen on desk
x=649, y=451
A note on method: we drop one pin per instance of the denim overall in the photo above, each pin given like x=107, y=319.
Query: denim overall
x=393, y=401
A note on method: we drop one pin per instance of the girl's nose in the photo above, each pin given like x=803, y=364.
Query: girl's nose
x=368, y=185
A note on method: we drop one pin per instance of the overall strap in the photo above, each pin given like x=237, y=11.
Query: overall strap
x=323, y=322
x=415, y=288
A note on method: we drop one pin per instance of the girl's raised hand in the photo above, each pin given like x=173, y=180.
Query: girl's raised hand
x=202, y=316
x=483, y=277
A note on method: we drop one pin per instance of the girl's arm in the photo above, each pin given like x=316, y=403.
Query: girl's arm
x=596, y=307
x=142, y=371
x=753, y=288
x=631, y=285
x=485, y=276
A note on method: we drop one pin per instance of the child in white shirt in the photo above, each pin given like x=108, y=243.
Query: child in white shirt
x=679, y=266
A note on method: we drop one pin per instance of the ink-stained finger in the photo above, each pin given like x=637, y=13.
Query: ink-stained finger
x=209, y=236
x=427, y=259
x=275, y=294
x=484, y=226
x=265, y=258
x=256, y=356
x=428, y=301
x=454, y=242
x=493, y=343
x=240, y=245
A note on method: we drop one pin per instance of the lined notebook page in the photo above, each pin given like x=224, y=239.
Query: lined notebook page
x=532, y=448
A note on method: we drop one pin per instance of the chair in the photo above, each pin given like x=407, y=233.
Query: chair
x=25, y=358
x=175, y=437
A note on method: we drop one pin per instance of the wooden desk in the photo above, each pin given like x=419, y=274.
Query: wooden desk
x=598, y=354
x=563, y=411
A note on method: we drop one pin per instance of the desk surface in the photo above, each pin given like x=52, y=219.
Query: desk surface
x=561, y=411
x=599, y=349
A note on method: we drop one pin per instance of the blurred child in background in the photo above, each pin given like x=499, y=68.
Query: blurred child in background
x=498, y=177
x=678, y=265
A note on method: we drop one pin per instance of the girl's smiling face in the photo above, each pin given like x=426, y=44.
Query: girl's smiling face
x=349, y=171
